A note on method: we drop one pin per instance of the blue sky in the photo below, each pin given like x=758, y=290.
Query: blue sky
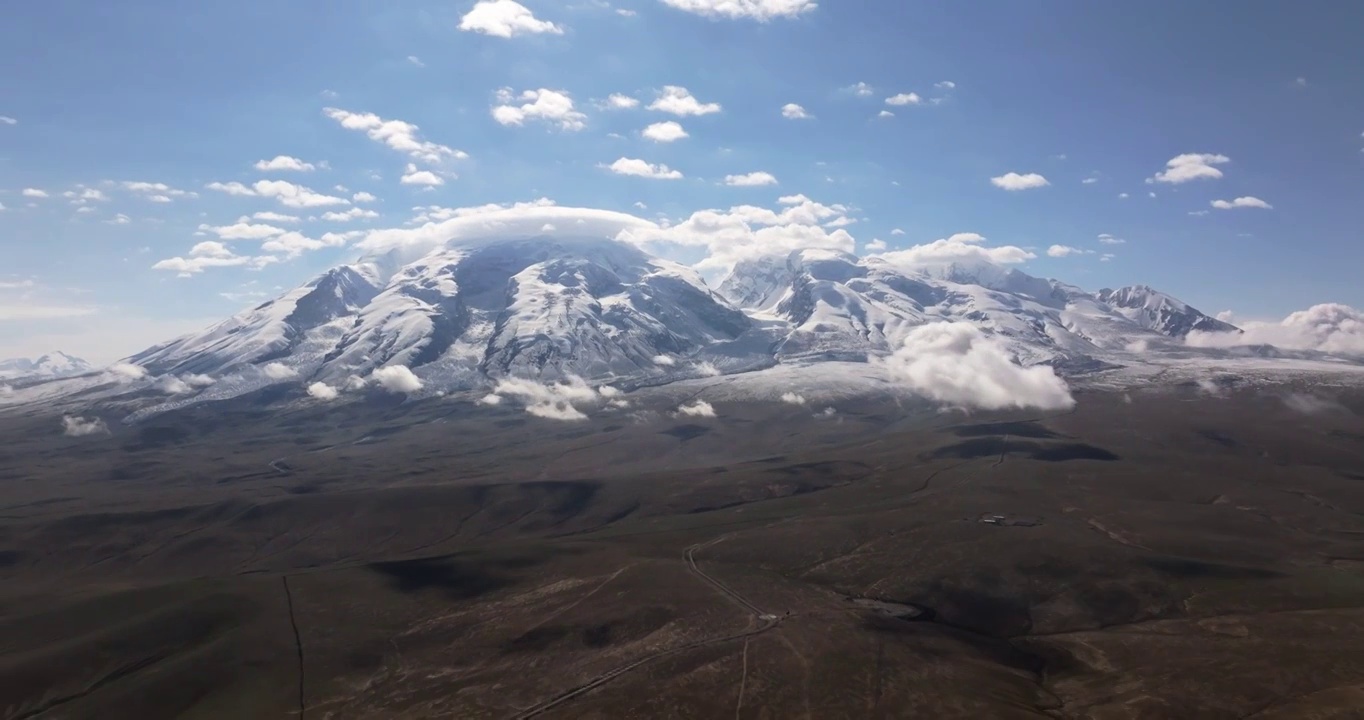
x=150, y=91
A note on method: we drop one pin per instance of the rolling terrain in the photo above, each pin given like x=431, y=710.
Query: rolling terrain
x=1150, y=553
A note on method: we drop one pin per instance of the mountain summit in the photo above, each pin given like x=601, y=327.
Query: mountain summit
x=55, y=364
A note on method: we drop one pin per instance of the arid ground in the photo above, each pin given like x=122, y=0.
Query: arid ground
x=1156, y=554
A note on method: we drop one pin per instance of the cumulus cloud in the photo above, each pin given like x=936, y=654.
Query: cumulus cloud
x=125, y=372
x=172, y=385
x=34, y=193
x=958, y=248
x=746, y=231
x=699, y=408
x=1329, y=328
x=760, y=10
x=363, y=197
x=793, y=398
x=956, y=363
x=564, y=400
x=75, y=426
x=1013, y=181
x=792, y=111
x=665, y=132
x=396, y=134
x=323, y=391
x=471, y=225
x=617, y=101
x=397, y=378
x=945, y=85
x=1242, y=202
x=284, y=163
x=554, y=107
x=1107, y=239
x=904, y=99
x=876, y=245
x=664, y=360
x=707, y=369
x=678, y=100
x=243, y=231
x=860, y=89
x=279, y=371
x=198, y=380
x=1190, y=166
x=7, y=120
x=505, y=19
x=753, y=179
x=415, y=176
x=640, y=168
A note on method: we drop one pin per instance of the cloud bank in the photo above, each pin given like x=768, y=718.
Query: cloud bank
x=564, y=400
x=1329, y=328
x=958, y=364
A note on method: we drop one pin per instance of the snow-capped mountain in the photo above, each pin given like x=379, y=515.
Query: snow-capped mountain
x=464, y=316
x=52, y=365
x=537, y=306
x=1160, y=312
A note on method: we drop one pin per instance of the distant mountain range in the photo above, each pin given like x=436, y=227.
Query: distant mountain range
x=49, y=366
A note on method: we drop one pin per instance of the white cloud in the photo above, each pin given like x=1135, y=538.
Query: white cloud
x=959, y=248
x=793, y=398
x=551, y=106
x=564, y=400
x=958, y=364
x=746, y=231
x=753, y=179
x=125, y=372
x=664, y=360
x=861, y=89
x=1190, y=166
x=876, y=245
x=416, y=61
x=665, y=132
x=323, y=391
x=618, y=101
x=760, y=10
x=415, y=176
x=75, y=426
x=363, y=197
x=1329, y=328
x=897, y=231
x=1107, y=257
x=1242, y=202
x=243, y=231
x=885, y=114
x=34, y=193
x=1301, y=82
x=679, y=101
x=792, y=111
x=284, y=163
x=1122, y=196
x=85, y=195
x=640, y=168
x=287, y=193
x=904, y=99
x=155, y=191
x=172, y=385
x=700, y=408
x=945, y=85
x=1107, y=239
x=397, y=378
x=292, y=244
x=1090, y=180
x=505, y=19
x=1013, y=181
x=279, y=371
x=7, y=120
x=1059, y=251
x=270, y=216
x=119, y=219
x=396, y=134
x=707, y=369
x=210, y=254
x=351, y=214
x=198, y=380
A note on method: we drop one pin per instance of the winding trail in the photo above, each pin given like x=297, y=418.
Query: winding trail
x=765, y=622
x=298, y=642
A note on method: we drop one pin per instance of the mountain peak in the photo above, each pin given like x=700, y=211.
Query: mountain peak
x=55, y=364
